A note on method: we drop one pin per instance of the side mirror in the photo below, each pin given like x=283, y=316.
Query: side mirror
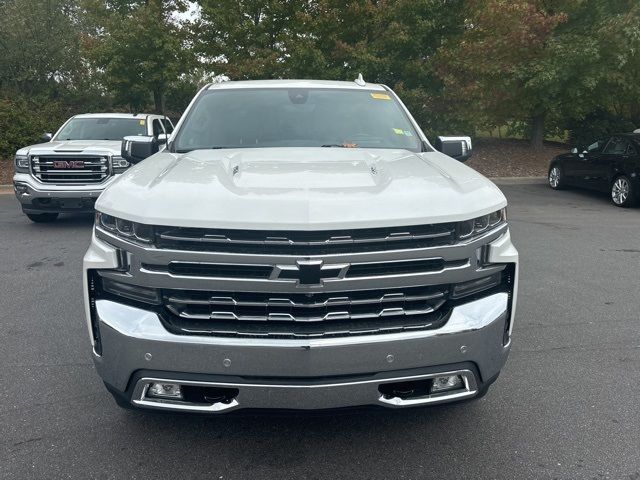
x=456, y=147
x=136, y=148
x=162, y=138
x=46, y=137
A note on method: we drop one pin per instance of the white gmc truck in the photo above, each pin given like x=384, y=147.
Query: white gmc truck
x=69, y=170
x=299, y=245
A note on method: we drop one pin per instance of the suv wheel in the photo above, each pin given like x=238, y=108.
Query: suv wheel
x=42, y=217
x=622, y=192
x=556, y=177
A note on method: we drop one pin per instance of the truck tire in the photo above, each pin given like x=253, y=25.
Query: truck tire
x=42, y=217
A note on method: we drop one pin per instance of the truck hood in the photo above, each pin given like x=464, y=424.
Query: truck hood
x=299, y=188
x=75, y=147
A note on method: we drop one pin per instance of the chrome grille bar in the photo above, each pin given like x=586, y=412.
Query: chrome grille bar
x=333, y=301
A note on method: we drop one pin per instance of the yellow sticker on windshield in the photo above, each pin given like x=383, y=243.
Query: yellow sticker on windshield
x=380, y=96
x=398, y=131
x=142, y=122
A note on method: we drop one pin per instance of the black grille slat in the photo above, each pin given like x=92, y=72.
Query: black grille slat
x=395, y=268
x=303, y=242
x=220, y=270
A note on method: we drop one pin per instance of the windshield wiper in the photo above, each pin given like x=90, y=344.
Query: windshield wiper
x=340, y=145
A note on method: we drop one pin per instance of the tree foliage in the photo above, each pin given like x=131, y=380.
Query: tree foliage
x=539, y=67
x=139, y=47
x=540, y=64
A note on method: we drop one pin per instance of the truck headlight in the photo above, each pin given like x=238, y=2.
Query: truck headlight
x=477, y=226
x=119, y=164
x=21, y=163
x=124, y=228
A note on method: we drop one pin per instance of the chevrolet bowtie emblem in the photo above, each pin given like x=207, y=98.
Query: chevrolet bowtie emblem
x=310, y=272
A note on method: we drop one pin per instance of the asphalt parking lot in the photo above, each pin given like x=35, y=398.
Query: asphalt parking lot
x=566, y=406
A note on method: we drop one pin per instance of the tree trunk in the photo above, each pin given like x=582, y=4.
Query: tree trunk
x=159, y=101
x=537, y=131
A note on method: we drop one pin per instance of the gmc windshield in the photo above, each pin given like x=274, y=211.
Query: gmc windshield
x=101, y=128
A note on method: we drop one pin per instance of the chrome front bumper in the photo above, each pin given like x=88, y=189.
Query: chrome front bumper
x=300, y=374
x=38, y=197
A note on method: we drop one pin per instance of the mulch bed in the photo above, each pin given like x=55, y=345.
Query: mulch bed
x=512, y=158
x=491, y=156
x=6, y=172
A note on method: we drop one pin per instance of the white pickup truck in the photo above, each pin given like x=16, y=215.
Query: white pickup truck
x=68, y=171
x=299, y=245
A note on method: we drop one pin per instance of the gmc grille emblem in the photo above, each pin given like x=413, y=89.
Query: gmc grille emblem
x=68, y=164
x=310, y=272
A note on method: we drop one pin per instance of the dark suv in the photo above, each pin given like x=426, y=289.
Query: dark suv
x=611, y=165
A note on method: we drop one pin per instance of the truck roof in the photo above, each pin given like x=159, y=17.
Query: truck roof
x=112, y=115
x=295, y=84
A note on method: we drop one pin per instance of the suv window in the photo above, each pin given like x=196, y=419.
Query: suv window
x=616, y=146
x=596, y=146
x=631, y=150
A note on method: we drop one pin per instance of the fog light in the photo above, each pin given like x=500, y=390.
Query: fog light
x=21, y=188
x=445, y=383
x=165, y=390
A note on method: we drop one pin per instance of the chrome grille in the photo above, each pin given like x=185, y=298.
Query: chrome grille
x=70, y=169
x=248, y=284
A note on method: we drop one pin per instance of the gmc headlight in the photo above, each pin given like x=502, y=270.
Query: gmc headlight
x=137, y=232
x=477, y=226
x=119, y=164
x=21, y=163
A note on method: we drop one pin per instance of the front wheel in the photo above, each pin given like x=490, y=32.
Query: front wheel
x=622, y=192
x=42, y=217
x=556, y=177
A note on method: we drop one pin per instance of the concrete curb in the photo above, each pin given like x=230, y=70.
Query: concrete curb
x=6, y=189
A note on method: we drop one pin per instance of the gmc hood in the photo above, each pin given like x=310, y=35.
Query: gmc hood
x=299, y=189
x=74, y=147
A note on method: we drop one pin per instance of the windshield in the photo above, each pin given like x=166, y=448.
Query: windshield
x=102, y=128
x=277, y=117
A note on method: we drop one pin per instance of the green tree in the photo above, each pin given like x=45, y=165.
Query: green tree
x=539, y=64
x=39, y=46
x=141, y=48
x=250, y=39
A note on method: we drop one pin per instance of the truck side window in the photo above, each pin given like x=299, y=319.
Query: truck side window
x=157, y=127
x=167, y=125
